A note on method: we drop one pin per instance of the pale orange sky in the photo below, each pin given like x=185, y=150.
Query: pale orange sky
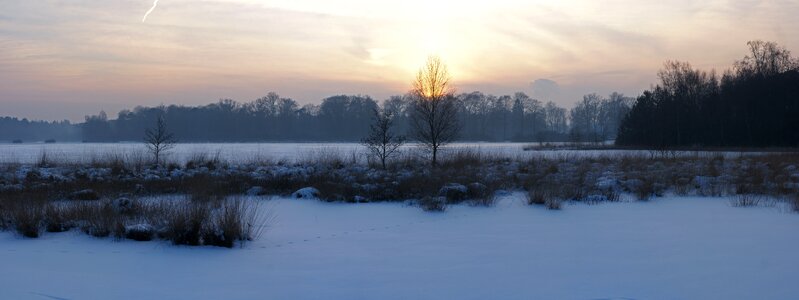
x=65, y=59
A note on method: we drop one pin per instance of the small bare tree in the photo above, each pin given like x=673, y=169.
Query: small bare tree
x=381, y=141
x=434, y=118
x=159, y=140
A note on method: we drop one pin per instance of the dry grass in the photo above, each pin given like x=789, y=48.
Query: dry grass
x=646, y=190
x=538, y=196
x=235, y=221
x=205, y=160
x=343, y=176
x=795, y=202
x=746, y=200
x=28, y=217
x=185, y=222
x=484, y=201
x=553, y=204
x=222, y=222
x=433, y=204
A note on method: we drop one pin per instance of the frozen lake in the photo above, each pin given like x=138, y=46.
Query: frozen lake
x=246, y=152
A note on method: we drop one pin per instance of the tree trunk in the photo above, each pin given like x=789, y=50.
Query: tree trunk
x=435, y=154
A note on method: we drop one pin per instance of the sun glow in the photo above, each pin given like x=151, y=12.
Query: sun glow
x=413, y=29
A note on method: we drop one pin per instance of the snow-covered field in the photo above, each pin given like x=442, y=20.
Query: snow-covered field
x=668, y=248
x=248, y=152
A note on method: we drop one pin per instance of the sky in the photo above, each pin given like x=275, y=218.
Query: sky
x=64, y=59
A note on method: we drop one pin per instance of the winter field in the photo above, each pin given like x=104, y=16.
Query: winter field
x=319, y=221
x=253, y=152
x=666, y=248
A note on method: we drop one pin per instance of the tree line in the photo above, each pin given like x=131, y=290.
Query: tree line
x=753, y=104
x=19, y=130
x=481, y=117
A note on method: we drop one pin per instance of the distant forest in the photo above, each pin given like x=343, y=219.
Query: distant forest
x=13, y=129
x=340, y=118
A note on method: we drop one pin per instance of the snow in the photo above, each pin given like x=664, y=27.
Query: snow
x=668, y=248
x=250, y=152
x=306, y=193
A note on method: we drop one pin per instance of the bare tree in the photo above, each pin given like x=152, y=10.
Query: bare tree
x=434, y=119
x=766, y=59
x=159, y=140
x=381, y=141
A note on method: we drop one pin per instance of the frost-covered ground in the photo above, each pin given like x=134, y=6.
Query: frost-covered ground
x=246, y=152
x=668, y=248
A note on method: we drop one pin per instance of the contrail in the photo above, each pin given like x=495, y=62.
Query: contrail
x=149, y=11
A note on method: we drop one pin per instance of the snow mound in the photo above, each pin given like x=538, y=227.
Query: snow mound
x=453, y=192
x=306, y=193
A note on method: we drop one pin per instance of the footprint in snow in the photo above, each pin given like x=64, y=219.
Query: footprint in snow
x=48, y=296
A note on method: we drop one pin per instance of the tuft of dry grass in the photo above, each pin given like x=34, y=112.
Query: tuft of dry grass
x=795, y=202
x=236, y=221
x=23, y=213
x=538, y=196
x=28, y=217
x=205, y=160
x=55, y=218
x=553, y=204
x=746, y=200
x=185, y=222
x=485, y=201
x=433, y=204
x=646, y=190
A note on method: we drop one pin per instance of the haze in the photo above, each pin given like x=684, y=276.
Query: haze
x=66, y=59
